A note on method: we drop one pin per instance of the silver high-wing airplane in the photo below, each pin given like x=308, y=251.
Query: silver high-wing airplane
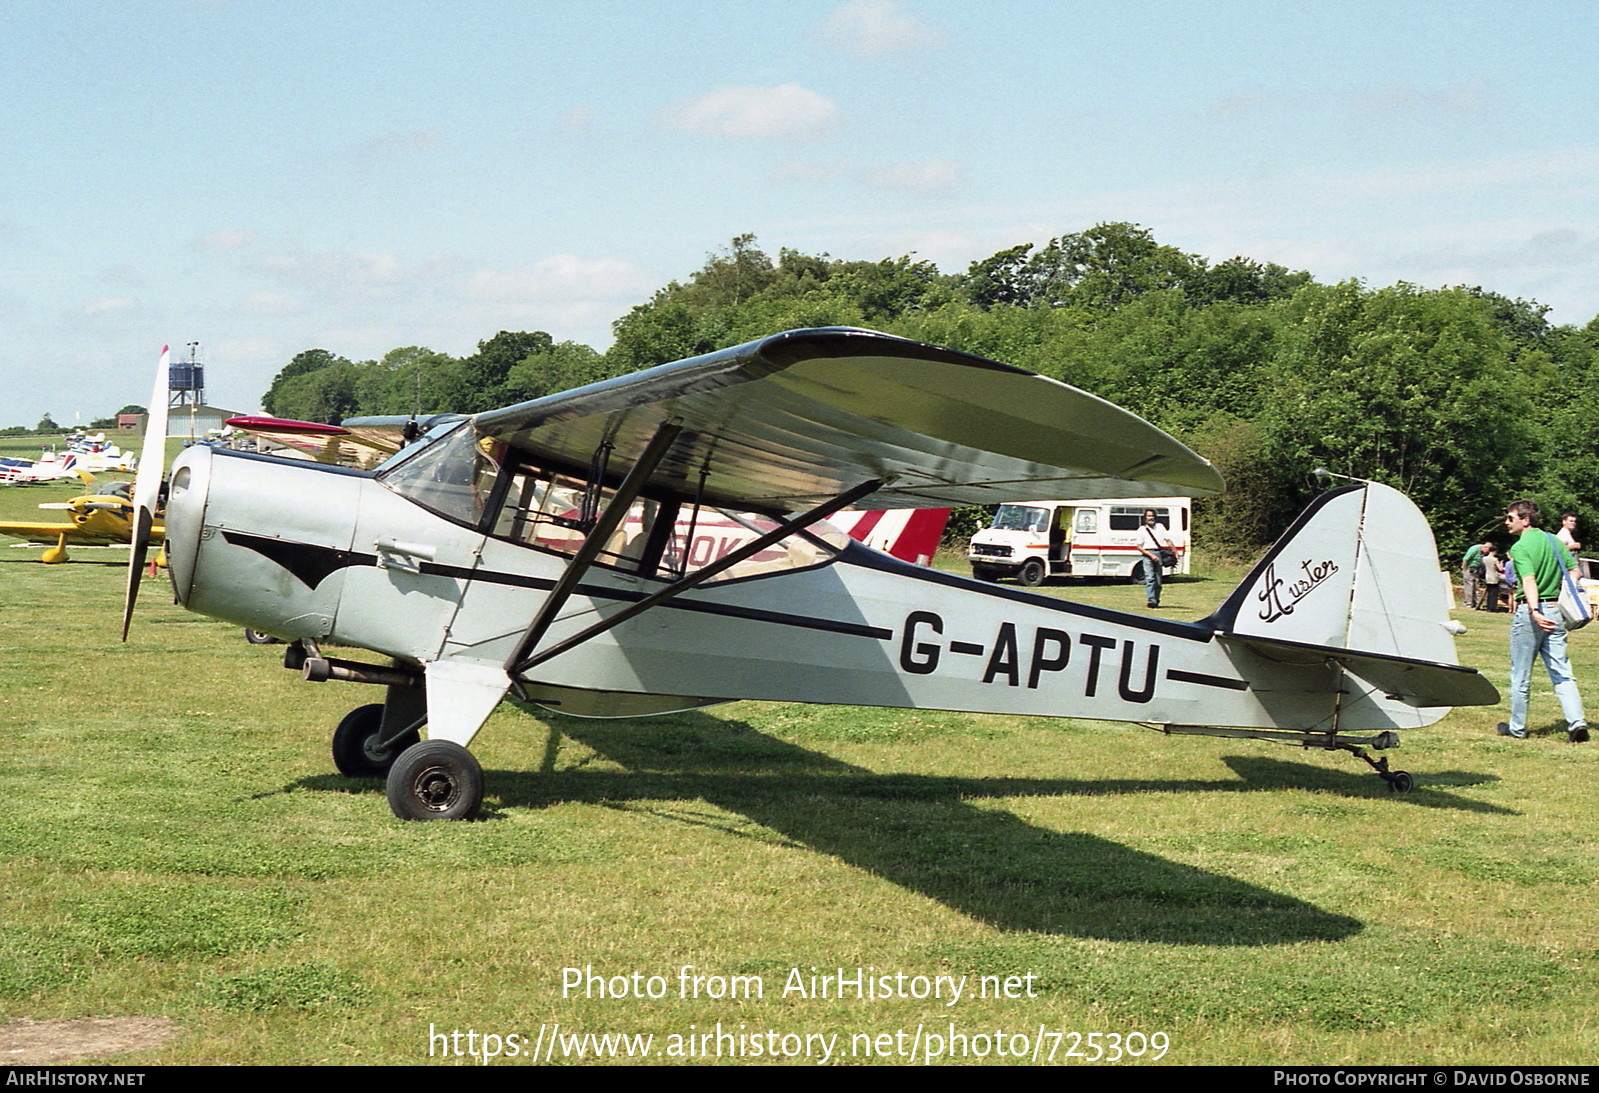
x=542, y=550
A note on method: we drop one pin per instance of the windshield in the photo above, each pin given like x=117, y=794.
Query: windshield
x=450, y=473
x=1020, y=518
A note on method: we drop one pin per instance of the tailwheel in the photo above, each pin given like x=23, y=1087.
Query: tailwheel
x=435, y=780
x=1399, y=781
x=359, y=750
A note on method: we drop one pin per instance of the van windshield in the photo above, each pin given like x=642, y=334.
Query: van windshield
x=1020, y=518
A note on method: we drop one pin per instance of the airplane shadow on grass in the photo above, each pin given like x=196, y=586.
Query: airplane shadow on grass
x=925, y=834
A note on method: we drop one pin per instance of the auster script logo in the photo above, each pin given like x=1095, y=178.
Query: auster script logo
x=1281, y=597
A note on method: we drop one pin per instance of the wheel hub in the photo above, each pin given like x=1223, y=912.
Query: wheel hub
x=436, y=789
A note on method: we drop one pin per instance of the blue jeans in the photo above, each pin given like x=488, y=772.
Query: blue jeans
x=1528, y=640
x=1151, y=570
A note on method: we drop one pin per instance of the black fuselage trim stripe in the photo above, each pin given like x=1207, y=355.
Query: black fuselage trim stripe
x=867, y=558
x=1206, y=680
x=312, y=564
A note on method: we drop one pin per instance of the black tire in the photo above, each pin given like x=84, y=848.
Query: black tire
x=1031, y=573
x=355, y=751
x=435, y=780
x=260, y=637
x=985, y=572
x=1400, y=781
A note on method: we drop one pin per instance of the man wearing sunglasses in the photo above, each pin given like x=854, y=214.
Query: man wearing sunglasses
x=1537, y=627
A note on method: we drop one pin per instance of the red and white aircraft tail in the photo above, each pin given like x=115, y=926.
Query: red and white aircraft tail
x=911, y=535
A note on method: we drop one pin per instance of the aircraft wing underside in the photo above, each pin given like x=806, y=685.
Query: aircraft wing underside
x=794, y=420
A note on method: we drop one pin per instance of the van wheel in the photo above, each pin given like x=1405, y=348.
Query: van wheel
x=985, y=573
x=1031, y=574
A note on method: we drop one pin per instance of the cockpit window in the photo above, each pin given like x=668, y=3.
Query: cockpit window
x=462, y=476
x=451, y=473
x=667, y=538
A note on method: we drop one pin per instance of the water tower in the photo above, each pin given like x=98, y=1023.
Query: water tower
x=186, y=384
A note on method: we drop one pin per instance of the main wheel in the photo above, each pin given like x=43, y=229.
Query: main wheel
x=355, y=744
x=435, y=780
x=1031, y=574
x=259, y=637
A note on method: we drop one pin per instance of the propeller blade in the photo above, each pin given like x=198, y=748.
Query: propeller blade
x=147, y=484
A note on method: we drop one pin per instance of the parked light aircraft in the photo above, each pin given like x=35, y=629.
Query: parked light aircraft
x=99, y=518
x=495, y=556
x=47, y=468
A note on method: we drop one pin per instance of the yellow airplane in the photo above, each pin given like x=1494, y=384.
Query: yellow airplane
x=100, y=518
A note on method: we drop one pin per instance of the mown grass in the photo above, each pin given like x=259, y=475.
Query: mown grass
x=175, y=843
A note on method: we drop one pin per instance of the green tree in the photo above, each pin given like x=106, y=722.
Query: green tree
x=303, y=363
x=1410, y=387
x=329, y=394
x=1103, y=268
x=560, y=367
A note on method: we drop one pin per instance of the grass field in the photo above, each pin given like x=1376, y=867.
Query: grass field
x=177, y=855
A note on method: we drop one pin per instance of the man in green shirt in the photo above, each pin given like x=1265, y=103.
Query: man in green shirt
x=1471, y=575
x=1537, y=628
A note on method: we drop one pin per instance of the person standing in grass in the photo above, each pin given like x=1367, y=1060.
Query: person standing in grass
x=1471, y=575
x=1153, y=538
x=1493, y=575
x=1537, y=627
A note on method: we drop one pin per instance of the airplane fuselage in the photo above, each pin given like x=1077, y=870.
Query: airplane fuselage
x=306, y=551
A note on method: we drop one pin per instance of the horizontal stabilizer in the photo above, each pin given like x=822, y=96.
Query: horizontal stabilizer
x=1414, y=682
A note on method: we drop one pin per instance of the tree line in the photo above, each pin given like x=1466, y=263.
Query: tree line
x=1461, y=397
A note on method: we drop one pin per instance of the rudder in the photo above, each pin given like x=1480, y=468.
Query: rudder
x=1358, y=570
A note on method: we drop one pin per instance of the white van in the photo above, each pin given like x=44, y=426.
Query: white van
x=1031, y=540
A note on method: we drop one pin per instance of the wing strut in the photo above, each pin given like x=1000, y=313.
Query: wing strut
x=521, y=663
x=595, y=541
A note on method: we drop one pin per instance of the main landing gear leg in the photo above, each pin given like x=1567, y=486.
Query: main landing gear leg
x=370, y=738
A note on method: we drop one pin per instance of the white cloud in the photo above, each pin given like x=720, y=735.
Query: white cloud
x=110, y=305
x=785, y=111
x=224, y=239
x=873, y=28
x=808, y=170
x=398, y=142
x=356, y=269
x=561, y=277
x=269, y=303
x=579, y=119
x=1396, y=98
x=926, y=176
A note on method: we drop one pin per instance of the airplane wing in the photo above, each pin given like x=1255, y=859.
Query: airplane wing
x=359, y=442
x=44, y=531
x=323, y=443
x=794, y=420
x=38, y=531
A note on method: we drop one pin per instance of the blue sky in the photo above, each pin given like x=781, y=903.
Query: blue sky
x=266, y=177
